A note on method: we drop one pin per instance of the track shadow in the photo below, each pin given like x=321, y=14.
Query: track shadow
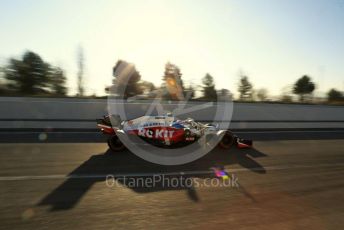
x=97, y=167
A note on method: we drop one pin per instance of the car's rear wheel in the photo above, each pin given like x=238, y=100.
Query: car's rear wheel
x=227, y=140
x=115, y=144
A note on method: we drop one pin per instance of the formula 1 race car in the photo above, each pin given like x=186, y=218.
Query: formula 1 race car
x=165, y=131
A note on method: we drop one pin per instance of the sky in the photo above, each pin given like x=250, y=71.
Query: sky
x=273, y=42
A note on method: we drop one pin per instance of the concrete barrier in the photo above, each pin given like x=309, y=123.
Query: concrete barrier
x=55, y=113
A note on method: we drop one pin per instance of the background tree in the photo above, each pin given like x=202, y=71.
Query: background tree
x=335, y=96
x=132, y=88
x=148, y=89
x=303, y=86
x=172, y=86
x=262, y=94
x=3, y=87
x=245, y=88
x=57, y=81
x=209, y=92
x=126, y=80
x=81, y=60
x=147, y=86
x=2, y=73
x=28, y=76
x=224, y=95
x=190, y=92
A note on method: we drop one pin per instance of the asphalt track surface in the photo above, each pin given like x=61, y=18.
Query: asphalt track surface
x=281, y=184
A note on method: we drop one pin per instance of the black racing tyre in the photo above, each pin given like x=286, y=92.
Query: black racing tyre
x=115, y=143
x=227, y=140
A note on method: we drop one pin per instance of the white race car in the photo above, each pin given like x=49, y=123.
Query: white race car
x=165, y=131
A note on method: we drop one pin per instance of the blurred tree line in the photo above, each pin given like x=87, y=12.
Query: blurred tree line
x=127, y=83
x=30, y=75
x=173, y=87
x=303, y=88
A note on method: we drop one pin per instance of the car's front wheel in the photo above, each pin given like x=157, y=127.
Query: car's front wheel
x=227, y=140
x=115, y=143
